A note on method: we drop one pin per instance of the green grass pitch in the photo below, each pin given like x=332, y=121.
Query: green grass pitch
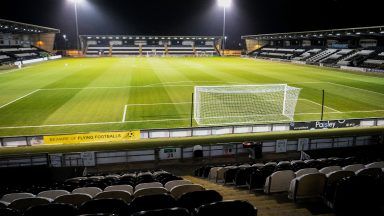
x=108, y=94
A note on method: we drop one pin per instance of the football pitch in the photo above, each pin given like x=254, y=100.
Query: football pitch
x=110, y=94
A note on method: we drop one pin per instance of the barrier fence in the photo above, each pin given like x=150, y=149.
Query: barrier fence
x=155, y=155
x=214, y=131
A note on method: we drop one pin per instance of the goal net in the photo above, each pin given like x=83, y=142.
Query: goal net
x=241, y=104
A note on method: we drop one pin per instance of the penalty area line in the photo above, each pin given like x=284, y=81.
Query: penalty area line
x=124, y=113
x=17, y=99
x=321, y=105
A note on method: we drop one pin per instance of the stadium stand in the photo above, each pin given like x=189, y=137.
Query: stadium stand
x=114, y=196
x=334, y=181
x=108, y=45
x=334, y=48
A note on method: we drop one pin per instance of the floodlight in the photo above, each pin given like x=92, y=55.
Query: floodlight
x=77, y=1
x=224, y=3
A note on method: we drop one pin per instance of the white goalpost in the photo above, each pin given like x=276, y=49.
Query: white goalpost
x=242, y=104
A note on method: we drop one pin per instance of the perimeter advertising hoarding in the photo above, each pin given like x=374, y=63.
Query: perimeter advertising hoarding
x=93, y=137
x=315, y=125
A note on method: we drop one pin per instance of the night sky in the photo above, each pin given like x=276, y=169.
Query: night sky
x=194, y=17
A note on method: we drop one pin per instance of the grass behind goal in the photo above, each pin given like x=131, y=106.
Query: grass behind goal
x=103, y=94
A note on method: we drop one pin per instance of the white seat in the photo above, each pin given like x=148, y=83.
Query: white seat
x=305, y=171
x=150, y=191
x=127, y=188
x=379, y=164
x=169, y=185
x=180, y=190
x=279, y=181
x=213, y=173
x=92, y=191
x=307, y=186
x=148, y=185
x=8, y=198
x=52, y=194
x=354, y=167
x=329, y=169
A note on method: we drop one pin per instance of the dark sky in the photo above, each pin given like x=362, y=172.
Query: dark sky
x=194, y=17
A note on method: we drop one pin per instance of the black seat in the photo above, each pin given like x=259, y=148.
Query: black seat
x=298, y=165
x=237, y=207
x=196, y=199
x=56, y=209
x=357, y=195
x=9, y=212
x=108, y=206
x=230, y=175
x=258, y=177
x=150, y=202
x=164, y=212
x=242, y=175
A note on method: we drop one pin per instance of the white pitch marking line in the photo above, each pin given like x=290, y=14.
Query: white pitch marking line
x=17, y=99
x=321, y=105
x=164, y=120
x=155, y=104
x=125, y=113
x=355, y=88
x=170, y=85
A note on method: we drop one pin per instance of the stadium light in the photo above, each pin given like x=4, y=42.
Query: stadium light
x=224, y=4
x=76, y=2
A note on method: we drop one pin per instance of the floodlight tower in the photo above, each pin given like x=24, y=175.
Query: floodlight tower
x=224, y=4
x=76, y=2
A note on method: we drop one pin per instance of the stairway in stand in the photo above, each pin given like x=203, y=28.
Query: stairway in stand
x=267, y=205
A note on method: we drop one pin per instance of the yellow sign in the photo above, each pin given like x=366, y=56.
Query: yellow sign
x=93, y=137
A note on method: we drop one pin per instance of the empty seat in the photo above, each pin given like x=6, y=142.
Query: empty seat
x=230, y=175
x=354, y=167
x=242, y=208
x=379, y=164
x=148, y=185
x=52, y=209
x=305, y=171
x=329, y=169
x=117, y=194
x=220, y=173
x=74, y=199
x=164, y=212
x=150, y=191
x=109, y=206
x=92, y=191
x=127, y=188
x=178, y=191
x=373, y=172
x=169, y=185
x=307, y=186
x=298, y=165
x=9, y=212
x=213, y=173
x=357, y=195
x=333, y=179
x=14, y=196
x=279, y=181
x=196, y=199
x=52, y=194
x=150, y=202
x=25, y=203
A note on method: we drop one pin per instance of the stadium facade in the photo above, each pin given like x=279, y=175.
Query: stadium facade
x=131, y=45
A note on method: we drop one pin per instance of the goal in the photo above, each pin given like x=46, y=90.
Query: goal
x=242, y=104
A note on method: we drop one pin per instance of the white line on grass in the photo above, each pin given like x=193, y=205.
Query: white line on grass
x=155, y=104
x=355, y=88
x=169, y=85
x=125, y=113
x=321, y=105
x=165, y=120
x=17, y=99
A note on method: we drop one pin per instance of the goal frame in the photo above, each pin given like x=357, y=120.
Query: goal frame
x=196, y=110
